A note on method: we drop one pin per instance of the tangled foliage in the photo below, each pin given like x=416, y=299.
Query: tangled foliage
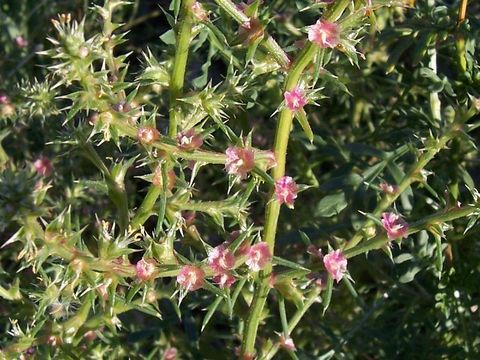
x=149, y=207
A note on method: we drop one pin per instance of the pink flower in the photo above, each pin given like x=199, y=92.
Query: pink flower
x=4, y=99
x=189, y=140
x=287, y=343
x=286, y=191
x=199, y=12
x=221, y=259
x=388, y=188
x=258, y=256
x=191, y=277
x=336, y=264
x=170, y=354
x=295, y=99
x=394, y=225
x=325, y=34
x=224, y=280
x=21, y=42
x=145, y=269
x=147, y=135
x=239, y=161
x=43, y=166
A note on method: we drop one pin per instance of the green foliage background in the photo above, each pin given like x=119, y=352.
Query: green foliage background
x=371, y=125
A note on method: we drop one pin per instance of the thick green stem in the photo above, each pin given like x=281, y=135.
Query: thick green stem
x=180, y=63
x=273, y=208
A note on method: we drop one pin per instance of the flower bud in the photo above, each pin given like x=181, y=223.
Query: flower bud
x=147, y=135
x=221, y=259
x=4, y=99
x=224, y=280
x=83, y=52
x=258, y=256
x=43, y=166
x=287, y=343
x=145, y=269
x=295, y=99
x=189, y=140
x=388, y=188
x=394, y=225
x=191, y=277
x=170, y=354
x=21, y=42
x=239, y=161
x=199, y=12
x=286, y=191
x=325, y=34
x=336, y=264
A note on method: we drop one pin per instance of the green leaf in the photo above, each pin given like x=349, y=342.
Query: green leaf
x=409, y=275
x=331, y=205
x=301, y=116
x=210, y=311
x=168, y=37
x=290, y=264
x=327, y=294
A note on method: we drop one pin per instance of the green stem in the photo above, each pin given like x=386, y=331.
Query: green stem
x=460, y=40
x=145, y=209
x=441, y=217
x=116, y=191
x=412, y=176
x=273, y=208
x=180, y=63
x=269, y=44
x=311, y=299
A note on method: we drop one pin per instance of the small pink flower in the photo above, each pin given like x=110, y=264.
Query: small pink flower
x=221, y=259
x=21, y=42
x=286, y=191
x=170, y=354
x=147, y=135
x=336, y=264
x=224, y=280
x=145, y=269
x=388, y=188
x=189, y=140
x=191, y=277
x=325, y=34
x=295, y=99
x=258, y=256
x=43, y=166
x=4, y=99
x=239, y=161
x=199, y=12
x=287, y=343
x=394, y=225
